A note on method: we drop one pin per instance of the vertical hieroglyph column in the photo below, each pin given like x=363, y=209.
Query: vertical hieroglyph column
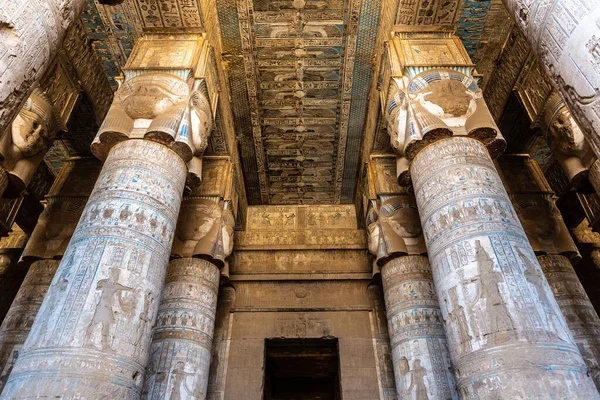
x=565, y=34
x=420, y=358
x=506, y=334
x=46, y=246
x=91, y=337
x=182, y=336
x=31, y=33
x=549, y=237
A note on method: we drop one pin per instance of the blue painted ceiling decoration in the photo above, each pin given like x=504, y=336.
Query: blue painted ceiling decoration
x=299, y=75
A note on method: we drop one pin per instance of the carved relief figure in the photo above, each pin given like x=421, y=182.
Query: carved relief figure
x=417, y=381
x=29, y=137
x=180, y=390
x=494, y=311
x=144, y=322
x=459, y=321
x=535, y=277
x=104, y=315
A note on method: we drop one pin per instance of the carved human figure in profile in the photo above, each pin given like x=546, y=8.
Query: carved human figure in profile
x=104, y=315
x=493, y=309
x=30, y=135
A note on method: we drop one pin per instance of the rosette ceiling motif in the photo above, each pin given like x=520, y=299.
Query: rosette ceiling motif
x=300, y=73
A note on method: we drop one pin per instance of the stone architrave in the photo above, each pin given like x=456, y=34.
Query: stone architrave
x=422, y=367
x=565, y=35
x=31, y=33
x=506, y=335
x=182, y=336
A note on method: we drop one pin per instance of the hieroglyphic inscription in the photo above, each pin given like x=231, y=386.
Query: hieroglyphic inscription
x=87, y=330
x=496, y=314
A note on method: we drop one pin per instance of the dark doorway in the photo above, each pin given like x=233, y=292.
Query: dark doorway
x=301, y=369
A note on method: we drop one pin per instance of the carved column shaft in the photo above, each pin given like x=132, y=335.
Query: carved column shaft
x=564, y=35
x=183, y=333
x=422, y=367
x=22, y=313
x=420, y=357
x=549, y=237
x=85, y=342
x=577, y=309
x=31, y=33
x=505, y=331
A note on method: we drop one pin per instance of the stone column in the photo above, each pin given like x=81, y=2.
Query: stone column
x=182, y=336
x=577, y=309
x=92, y=335
x=46, y=246
x=31, y=34
x=564, y=35
x=549, y=237
x=422, y=367
x=84, y=342
x=220, y=351
x=20, y=317
x=506, y=335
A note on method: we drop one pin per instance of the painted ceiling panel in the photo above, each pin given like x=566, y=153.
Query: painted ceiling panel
x=299, y=75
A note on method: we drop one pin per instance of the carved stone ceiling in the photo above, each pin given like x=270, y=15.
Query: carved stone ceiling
x=299, y=75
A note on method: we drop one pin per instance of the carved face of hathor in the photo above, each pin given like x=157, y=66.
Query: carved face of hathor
x=448, y=100
x=34, y=126
x=148, y=96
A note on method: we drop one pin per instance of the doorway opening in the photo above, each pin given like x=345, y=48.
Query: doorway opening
x=301, y=369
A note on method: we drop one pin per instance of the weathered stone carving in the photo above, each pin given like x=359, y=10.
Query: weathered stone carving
x=543, y=224
x=567, y=142
x=394, y=228
x=551, y=241
x=564, y=35
x=422, y=366
x=581, y=317
x=31, y=34
x=18, y=322
x=23, y=146
x=204, y=229
x=111, y=273
x=161, y=107
x=183, y=333
x=504, y=326
x=426, y=104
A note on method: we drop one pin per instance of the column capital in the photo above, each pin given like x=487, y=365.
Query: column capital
x=164, y=96
x=430, y=92
x=392, y=219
